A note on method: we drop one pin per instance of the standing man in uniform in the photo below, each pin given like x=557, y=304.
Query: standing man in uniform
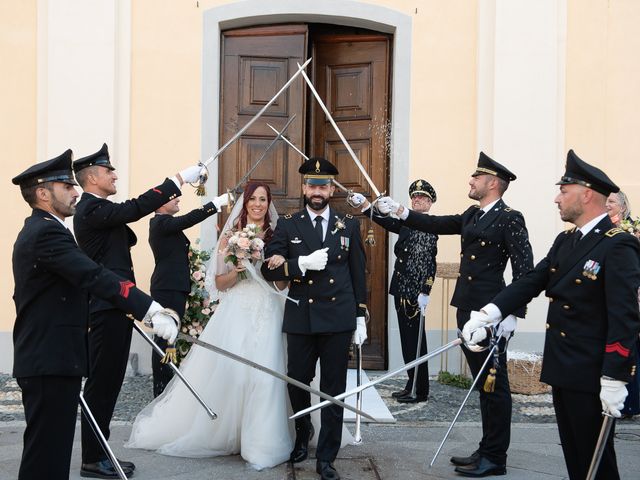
x=52, y=280
x=170, y=281
x=411, y=282
x=592, y=278
x=325, y=263
x=102, y=233
x=491, y=234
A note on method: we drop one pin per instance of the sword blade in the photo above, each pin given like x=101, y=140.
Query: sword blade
x=257, y=115
x=176, y=370
x=273, y=373
x=288, y=142
x=455, y=418
x=357, y=437
x=416, y=362
x=344, y=140
x=414, y=385
x=605, y=430
x=264, y=154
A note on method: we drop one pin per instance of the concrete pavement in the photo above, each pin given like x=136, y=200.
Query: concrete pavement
x=398, y=451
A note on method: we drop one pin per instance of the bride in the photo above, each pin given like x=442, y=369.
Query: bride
x=251, y=405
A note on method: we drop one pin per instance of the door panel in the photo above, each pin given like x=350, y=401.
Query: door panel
x=351, y=74
x=256, y=62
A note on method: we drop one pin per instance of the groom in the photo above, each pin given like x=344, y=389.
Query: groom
x=325, y=264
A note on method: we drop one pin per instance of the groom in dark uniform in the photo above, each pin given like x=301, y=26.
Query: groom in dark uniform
x=325, y=263
x=592, y=278
x=491, y=234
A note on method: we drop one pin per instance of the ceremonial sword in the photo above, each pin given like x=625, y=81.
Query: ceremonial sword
x=414, y=363
x=344, y=140
x=607, y=423
x=176, y=370
x=204, y=173
x=263, y=156
x=418, y=348
x=273, y=373
x=101, y=438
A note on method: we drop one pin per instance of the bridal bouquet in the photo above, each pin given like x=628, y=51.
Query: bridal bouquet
x=200, y=307
x=631, y=226
x=243, y=244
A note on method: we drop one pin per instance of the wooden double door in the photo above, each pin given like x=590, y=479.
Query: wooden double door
x=350, y=71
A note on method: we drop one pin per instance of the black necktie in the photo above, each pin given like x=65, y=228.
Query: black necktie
x=318, y=221
x=577, y=235
x=477, y=216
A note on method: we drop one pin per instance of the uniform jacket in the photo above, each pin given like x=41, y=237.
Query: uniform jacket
x=330, y=299
x=171, y=248
x=53, y=278
x=593, y=320
x=402, y=251
x=101, y=229
x=500, y=235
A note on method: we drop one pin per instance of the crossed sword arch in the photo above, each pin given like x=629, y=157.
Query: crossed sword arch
x=328, y=399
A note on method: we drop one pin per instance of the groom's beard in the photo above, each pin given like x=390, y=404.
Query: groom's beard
x=316, y=202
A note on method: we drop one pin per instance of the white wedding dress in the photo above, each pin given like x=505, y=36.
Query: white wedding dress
x=252, y=406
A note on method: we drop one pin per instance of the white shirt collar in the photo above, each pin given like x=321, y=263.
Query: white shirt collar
x=97, y=196
x=587, y=227
x=490, y=206
x=313, y=214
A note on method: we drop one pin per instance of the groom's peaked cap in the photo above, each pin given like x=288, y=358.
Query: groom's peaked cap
x=318, y=171
x=101, y=158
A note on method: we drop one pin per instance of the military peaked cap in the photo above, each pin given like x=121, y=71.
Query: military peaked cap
x=488, y=166
x=422, y=187
x=580, y=172
x=101, y=158
x=318, y=171
x=57, y=169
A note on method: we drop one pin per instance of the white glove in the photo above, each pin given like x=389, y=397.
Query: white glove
x=612, y=395
x=387, y=205
x=360, y=333
x=314, y=261
x=191, y=174
x=221, y=201
x=423, y=301
x=163, y=321
x=507, y=326
x=474, y=331
x=356, y=199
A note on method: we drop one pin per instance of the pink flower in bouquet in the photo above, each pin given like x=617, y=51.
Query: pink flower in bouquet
x=197, y=275
x=244, y=243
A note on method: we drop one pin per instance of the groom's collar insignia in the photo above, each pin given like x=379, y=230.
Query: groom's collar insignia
x=348, y=215
x=287, y=216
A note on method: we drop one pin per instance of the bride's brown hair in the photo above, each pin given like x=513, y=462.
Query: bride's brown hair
x=248, y=191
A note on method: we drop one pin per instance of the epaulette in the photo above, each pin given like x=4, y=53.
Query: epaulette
x=348, y=215
x=47, y=218
x=614, y=231
x=570, y=231
x=287, y=216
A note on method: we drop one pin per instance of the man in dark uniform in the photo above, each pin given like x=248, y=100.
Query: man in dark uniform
x=411, y=282
x=52, y=280
x=170, y=281
x=592, y=278
x=102, y=233
x=325, y=263
x=491, y=234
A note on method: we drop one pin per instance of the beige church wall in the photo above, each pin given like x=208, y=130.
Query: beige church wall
x=603, y=94
x=18, y=42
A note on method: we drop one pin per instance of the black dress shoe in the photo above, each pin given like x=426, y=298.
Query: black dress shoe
x=301, y=448
x=326, y=470
x=461, y=461
x=102, y=469
x=401, y=393
x=409, y=399
x=482, y=468
x=126, y=464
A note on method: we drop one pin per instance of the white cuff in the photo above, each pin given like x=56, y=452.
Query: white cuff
x=176, y=181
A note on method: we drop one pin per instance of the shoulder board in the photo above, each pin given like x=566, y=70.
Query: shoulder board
x=508, y=209
x=48, y=219
x=348, y=215
x=287, y=216
x=571, y=230
x=614, y=231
